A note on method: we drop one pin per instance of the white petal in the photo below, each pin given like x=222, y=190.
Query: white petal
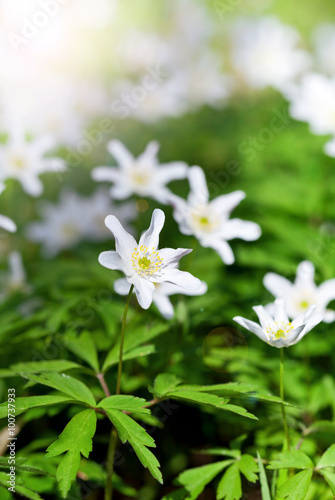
x=149, y=154
x=124, y=242
x=295, y=335
x=226, y=203
x=280, y=311
x=328, y=316
x=150, y=237
x=172, y=256
x=263, y=316
x=238, y=228
x=277, y=285
x=120, y=153
x=164, y=306
x=252, y=327
x=110, y=174
x=326, y=292
x=111, y=260
x=7, y=224
x=122, y=286
x=304, y=316
x=167, y=288
x=171, y=171
x=144, y=290
x=120, y=191
x=32, y=185
x=222, y=248
x=181, y=278
x=199, y=191
x=314, y=320
x=305, y=274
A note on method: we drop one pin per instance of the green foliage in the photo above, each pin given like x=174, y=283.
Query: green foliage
x=75, y=440
x=263, y=479
x=296, y=487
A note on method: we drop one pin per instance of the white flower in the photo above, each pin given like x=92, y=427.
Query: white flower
x=303, y=293
x=143, y=176
x=208, y=220
x=142, y=263
x=324, y=42
x=265, y=53
x=75, y=218
x=24, y=160
x=277, y=330
x=15, y=280
x=160, y=296
x=5, y=222
x=313, y=101
x=329, y=148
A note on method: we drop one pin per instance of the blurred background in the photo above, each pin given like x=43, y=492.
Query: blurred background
x=243, y=88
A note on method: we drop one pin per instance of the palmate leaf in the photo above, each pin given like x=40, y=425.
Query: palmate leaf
x=131, y=431
x=327, y=459
x=294, y=459
x=248, y=468
x=263, y=479
x=84, y=347
x=59, y=365
x=23, y=404
x=64, y=383
x=125, y=403
x=230, y=487
x=195, y=480
x=296, y=488
x=138, y=352
x=330, y=478
x=208, y=399
x=164, y=383
x=75, y=440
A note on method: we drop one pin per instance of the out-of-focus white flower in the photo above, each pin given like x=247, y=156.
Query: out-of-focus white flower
x=5, y=222
x=265, y=53
x=303, y=293
x=208, y=220
x=25, y=161
x=324, y=43
x=277, y=330
x=160, y=296
x=330, y=148
x=143, y=176
x=75, y=218
x=143, y=263
x=15, y=280
x=313, y=101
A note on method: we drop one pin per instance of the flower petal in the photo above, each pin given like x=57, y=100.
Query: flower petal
x=199, y=194
x=326, y=292
x=222, y=248
x=150, y=237
x=122, y=286
x=164, y=305
x=181, y=278
x=263, y=316
x=124, y=242
x=305, y=274
x=238, y=228
x=172, y=256
x=7, y=224
x=144, y=290
x=110, y=174
x=277, y=285
x=149, y=155
x=252, y=327
x=171, y=171
x=120, y=153
x=280, y=311
x=111, y=260
x=226, y=203
x=303, y=317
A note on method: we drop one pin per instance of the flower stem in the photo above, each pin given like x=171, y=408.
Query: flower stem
x=114, y=436
x=282, y=397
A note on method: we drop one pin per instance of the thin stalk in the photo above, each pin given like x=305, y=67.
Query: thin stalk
x=114, y=436
x=282, y=398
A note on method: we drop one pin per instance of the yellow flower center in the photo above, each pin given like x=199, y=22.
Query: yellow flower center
x=18, y=162
x=140, y=176
x=304, y=304
x=146, y=263
x=278, y=330
x=205, y=221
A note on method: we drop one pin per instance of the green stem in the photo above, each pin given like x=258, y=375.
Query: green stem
x=282, y=397
x=114, y=436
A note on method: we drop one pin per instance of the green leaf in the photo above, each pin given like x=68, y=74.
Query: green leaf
x=21, y=490
x=164, y=383
x=230, y=487
x=296, y=488
x=64, y=383
x=75, y=440
x=195, y=480
x=4, y=465
x=131, y=431
x=208, y=399
x=220, y=451
x=330, y=478
x=327, y=459
x=294, y=459
x=136, y=336
x=125, y=403
x=176, y=495
x=84, y=347
x=60, y=365
x=248, y=467
x=23, y=404
x=263, y=479
x=138, y=352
